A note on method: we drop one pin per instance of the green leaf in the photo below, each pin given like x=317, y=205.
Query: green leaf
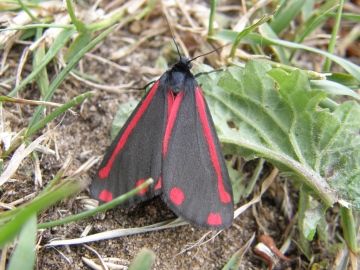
x=316, y=147
x=333, y=88
x=78, y=99
x=42, y=78
x=121, y=116
x=312, y=217
x=255, y=39
x=24, y=254
x=58, y=80
x=237, y=257
x=80, y=42
x=349, y=229
x=279, y=51
x=58, y=44
x=118, y=200
x=286, y=14
x=144, y=260
x=236, y=182
x=23, y=213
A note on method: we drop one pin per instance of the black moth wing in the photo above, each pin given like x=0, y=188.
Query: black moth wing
x=196, y=184
x=135, y=154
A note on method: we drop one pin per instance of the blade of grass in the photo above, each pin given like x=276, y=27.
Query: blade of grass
x=65, y=71
x=5, y=216
x=42, y=79
x=334, y=36
x=286, y=15
x=211, y=18
x=307, y=9
x=59, y=43
x=57, y=112
x=313, y=23
x=45, y=120
x=27, y=101
x=281, y=53
x=99, y=209
x=253, y=38
x=236, y=258
x=28, y=12
x=12, y=228
x=249, y=29
x=80, y=42
x=333, y=88
x=43, y=25
x=80, y=26
x=17, y=158
x=349, y=230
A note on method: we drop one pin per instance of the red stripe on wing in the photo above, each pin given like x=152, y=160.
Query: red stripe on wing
x=224, y=196
x=171, y=119
x=104, y=172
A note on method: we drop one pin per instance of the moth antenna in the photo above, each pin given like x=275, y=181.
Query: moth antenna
x=172, y=36
x=201, y=55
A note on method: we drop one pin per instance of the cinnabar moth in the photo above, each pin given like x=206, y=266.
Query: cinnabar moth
x=171, y=138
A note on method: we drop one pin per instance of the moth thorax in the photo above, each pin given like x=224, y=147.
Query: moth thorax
x=183, y=63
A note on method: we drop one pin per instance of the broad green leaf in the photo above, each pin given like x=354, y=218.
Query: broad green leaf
x=314, y=146
x=121, y=116
x=24, y=254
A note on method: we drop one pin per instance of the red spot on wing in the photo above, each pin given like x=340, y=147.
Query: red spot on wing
x=177, y=196
x=171, y=120
x=214, y=219
x=224, y=196
x=104, y=172
x=105, y=195
x=144, y=190
x=159, y=183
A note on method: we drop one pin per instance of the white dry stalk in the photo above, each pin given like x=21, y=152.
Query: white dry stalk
x=38, y=175
x=265, y=185
x=119, y=233
x=46, y=9
x=103, y=264
x=18, y=156
x=52, y=34
x=131, y=48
